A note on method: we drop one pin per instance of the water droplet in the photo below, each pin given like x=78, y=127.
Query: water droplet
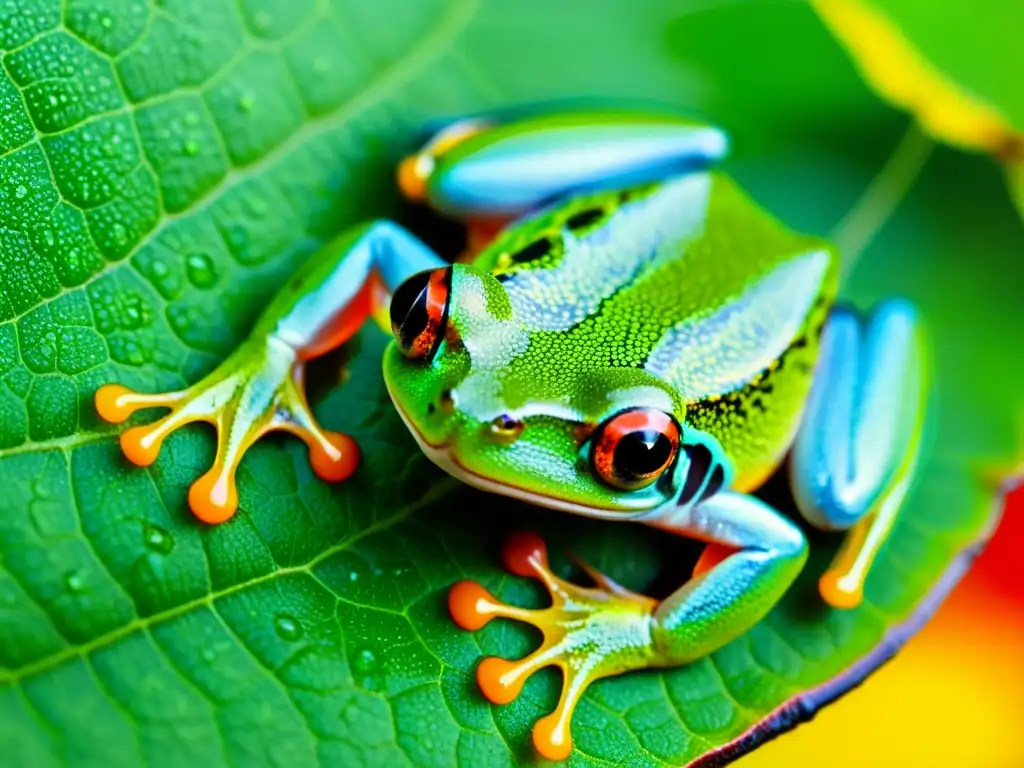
x=246, y=102
x=209, y=655
x=192, y=148
x=49, y=237
x=201, y=272
x=106, y=22
x=353, y=576
x=180, y=319
x=157, y=539
x=120, y=233
x=261, y=20
x=287, y=628
x=238, y=237
x=20, y=191
x=159, y=268
x=191, y=118
x=366, y=661
x=74, y=581
x=132, y=317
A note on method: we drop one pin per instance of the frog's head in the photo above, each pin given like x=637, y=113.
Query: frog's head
x=520, y=421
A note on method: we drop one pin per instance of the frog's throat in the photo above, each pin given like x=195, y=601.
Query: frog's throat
x=444, y=457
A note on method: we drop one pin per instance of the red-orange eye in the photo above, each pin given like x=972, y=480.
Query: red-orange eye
x=633, y=448
x=419, y=312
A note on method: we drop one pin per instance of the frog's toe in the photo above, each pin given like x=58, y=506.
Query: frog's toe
x=589, y=633
x=247, y=397
x=115, y=403
x=141, y=445
x=334, y=456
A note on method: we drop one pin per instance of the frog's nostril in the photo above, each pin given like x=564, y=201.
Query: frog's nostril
x=447, y=402
x=430, y=409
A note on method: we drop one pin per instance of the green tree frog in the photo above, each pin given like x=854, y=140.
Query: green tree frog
x=640, y=341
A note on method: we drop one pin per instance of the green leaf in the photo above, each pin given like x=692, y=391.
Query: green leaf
x=924, y=58
x=976, y=46
x=162, y=168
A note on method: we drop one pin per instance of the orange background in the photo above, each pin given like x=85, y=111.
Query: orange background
x=954, y=696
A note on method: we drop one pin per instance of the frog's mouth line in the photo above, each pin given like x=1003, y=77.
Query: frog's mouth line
x=444, y=457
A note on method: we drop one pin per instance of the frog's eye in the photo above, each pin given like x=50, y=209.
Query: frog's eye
x=419, y=312
x=633, y=448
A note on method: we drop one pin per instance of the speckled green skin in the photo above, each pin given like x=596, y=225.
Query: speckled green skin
x=669, y=295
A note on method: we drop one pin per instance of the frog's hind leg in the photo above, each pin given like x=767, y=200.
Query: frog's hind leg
x=484, y=171
x=595, y=632
x=853, y=458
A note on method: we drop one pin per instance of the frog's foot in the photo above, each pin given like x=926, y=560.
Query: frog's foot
x=589, y=633
x=253, y=392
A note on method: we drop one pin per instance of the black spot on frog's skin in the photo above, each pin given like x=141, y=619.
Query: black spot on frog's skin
x=700, y=463
x=583, y=219
x=714, y=484
x=535, y=250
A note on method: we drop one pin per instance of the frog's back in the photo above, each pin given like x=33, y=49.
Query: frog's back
x=687, y=279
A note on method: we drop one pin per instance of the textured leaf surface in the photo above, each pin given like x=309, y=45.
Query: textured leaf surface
x=162, y=166
x=976, y=45
x=937, y=79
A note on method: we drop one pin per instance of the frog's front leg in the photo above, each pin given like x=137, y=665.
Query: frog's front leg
x=854, y=456
x=596, y=632
x=259, y=387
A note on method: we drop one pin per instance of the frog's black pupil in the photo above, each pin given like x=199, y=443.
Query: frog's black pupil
x=409, y=309
x=641, y=453
x=534, y=250
x=584, y=218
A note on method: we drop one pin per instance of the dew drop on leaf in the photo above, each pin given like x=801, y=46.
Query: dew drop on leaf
x=20, y=191
x=201, y=272
x=366, y=661
x=192, y=148
x=246, y=102
x=75, y=582
x=157, y=539
x=287, y=628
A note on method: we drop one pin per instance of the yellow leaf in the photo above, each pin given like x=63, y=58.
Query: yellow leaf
x=891, y=64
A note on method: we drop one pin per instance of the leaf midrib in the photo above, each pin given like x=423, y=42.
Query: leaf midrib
x=15, y=675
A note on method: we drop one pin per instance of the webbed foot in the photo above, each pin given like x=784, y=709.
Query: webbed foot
x=257, y=389
x=589, y=633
